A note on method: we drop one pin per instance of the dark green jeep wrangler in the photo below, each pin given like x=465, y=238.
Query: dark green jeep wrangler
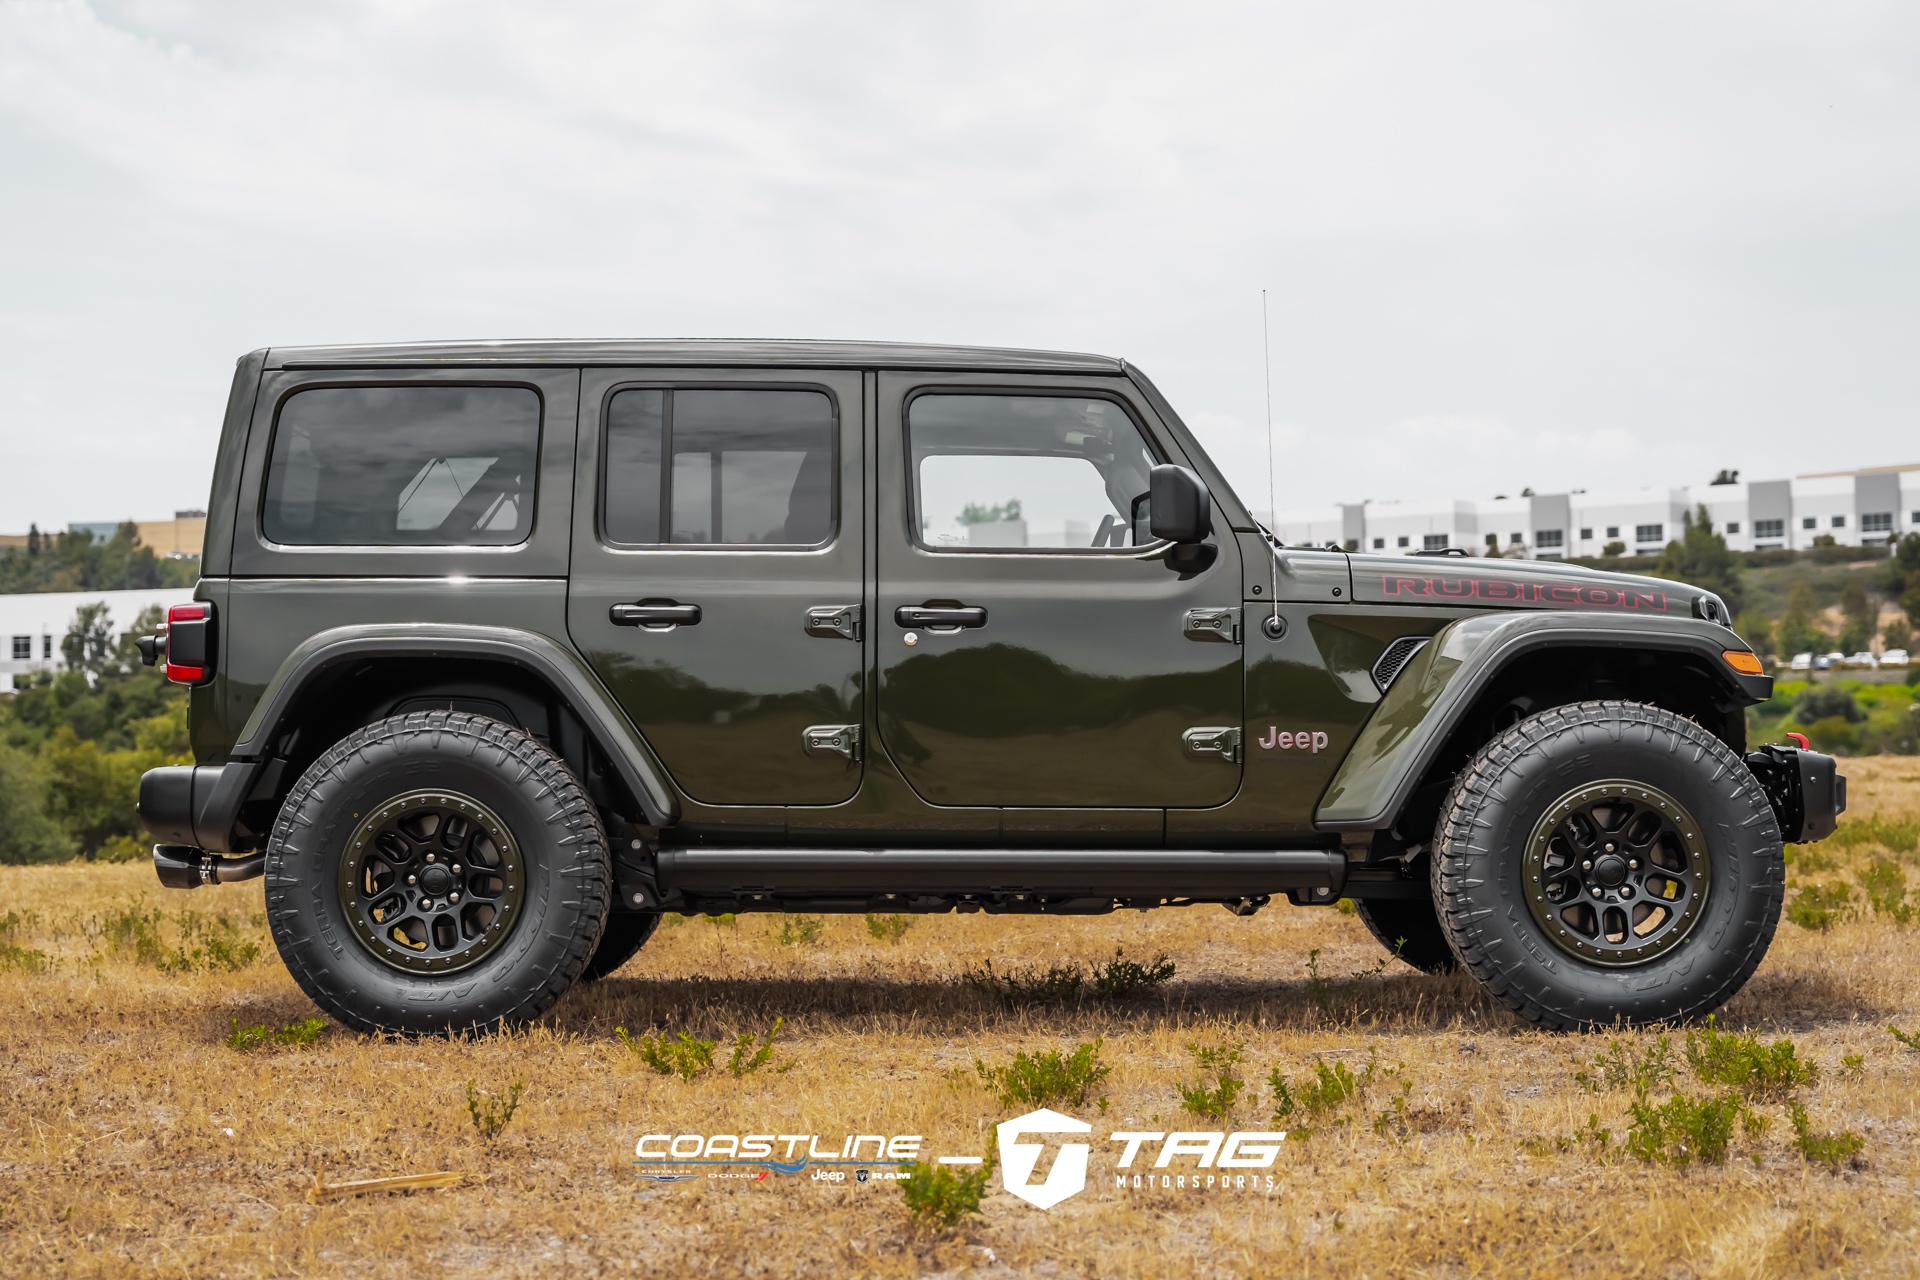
x=505, y=648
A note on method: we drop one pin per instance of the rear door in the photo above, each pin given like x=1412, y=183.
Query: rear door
x=717, y=574
x=1035, y=647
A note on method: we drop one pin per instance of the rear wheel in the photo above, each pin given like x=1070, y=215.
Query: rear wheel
x=1608, y=861
x=437, y=871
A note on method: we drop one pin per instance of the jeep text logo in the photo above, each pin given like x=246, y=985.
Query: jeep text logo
x=1314, y=742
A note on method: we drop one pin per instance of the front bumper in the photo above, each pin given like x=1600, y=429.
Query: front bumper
x=1807, y=790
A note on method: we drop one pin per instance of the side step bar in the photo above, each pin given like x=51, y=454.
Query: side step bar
x=1077, y=873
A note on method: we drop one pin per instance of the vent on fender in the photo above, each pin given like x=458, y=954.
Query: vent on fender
x=1395, y=660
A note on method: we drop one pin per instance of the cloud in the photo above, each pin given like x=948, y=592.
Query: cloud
x=1574, y=217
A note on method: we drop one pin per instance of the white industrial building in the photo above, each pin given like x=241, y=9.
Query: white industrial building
x=32, y=625
x=1871, y=505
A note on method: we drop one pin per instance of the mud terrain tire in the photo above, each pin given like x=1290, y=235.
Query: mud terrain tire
x=1513, y=786
x=564, y=888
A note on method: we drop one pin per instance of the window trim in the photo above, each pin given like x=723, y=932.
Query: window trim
x=670, y=385
x=429, y=548
x=911, y=497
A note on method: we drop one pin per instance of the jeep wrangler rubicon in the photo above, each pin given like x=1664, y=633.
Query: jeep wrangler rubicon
x=503, y=649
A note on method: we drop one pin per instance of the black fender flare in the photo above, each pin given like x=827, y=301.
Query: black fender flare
x=1439, y=685
x=545, y=658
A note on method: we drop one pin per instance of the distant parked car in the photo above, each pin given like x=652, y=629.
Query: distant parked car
x=1894, y=658
x=1801, y=662
x=1861, y=659
x=1827, y=661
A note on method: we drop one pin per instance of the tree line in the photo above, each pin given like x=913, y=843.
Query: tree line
x=74, y=743
x=73, y=561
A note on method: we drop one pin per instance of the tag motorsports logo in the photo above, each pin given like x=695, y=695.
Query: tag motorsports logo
x=1211, y=1161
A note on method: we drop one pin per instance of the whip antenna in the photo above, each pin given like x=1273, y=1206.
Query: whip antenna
x=1273, y=506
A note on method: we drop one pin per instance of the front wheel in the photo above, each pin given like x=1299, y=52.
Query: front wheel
x=437, y=871
x=1608, y=862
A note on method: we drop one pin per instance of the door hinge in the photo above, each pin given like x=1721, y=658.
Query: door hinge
x=832, y=740
x=829, y=620
x=1220, y=743
x=1214, y=624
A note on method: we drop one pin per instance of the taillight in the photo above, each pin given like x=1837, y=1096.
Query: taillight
x=189, y=643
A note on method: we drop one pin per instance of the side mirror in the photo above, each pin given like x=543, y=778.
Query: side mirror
x=1181, y=509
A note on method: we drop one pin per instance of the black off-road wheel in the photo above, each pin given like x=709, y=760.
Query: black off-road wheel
x=626, y=933
x=1410, y=929
x=437, y=872
x=1608, y=862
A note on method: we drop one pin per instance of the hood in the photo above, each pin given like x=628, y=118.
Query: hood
x=1473, y=581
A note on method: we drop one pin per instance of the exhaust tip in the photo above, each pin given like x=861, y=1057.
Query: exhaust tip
x=181, y=866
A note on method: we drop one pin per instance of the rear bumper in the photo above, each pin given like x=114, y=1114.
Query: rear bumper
x=196, y=805
x=1807, y=790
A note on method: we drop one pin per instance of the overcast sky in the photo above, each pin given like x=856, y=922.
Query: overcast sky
x=1551, y=244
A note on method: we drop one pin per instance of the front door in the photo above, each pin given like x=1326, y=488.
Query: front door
x=717, y=574
x=1035, y=647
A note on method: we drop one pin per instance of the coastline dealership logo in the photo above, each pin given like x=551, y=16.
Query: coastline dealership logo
x=1211, y=1161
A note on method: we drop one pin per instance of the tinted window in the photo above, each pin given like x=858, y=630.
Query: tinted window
x=744, y=468
x=1027, y=471
x=404, y=466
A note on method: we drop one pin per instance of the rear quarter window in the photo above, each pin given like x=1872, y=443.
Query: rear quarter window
x=403, y=466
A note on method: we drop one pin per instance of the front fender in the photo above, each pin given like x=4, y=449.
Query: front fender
x=558, y=666
x=1421, y=709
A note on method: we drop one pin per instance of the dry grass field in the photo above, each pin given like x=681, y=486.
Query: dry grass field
x=136, y=1139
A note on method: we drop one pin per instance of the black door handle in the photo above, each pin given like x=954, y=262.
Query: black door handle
x=654, y=615
x=927, y=616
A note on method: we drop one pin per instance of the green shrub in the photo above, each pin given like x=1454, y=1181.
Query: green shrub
x=15, y=956
x=1911, y=1039
x=1327, y=1090
x=1743, y=1063
x=681, y=1056
x=888, y=928
x=1043, y=1079
x=1834, y=735
x=1018, y=987
x=292, y=1035
x=1684, y=1130
x=1819, y=907
x=1621, y=1068
x=1830, y=1149
x=1122, y=979
x=1220, y=1063
x=1822, y=701
x=1895, y=834
x=1885, y=884
x=799, y=931
x=491, y=1113
x=941, y=1195
x=749, y=1056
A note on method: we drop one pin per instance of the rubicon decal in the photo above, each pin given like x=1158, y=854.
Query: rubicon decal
x=1507, y=591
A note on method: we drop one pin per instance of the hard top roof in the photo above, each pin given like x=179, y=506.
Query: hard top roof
x=695, y=352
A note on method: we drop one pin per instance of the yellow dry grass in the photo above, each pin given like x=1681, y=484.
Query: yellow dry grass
x=136, y=1140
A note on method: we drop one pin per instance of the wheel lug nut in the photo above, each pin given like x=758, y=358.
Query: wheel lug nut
x=1587, y=865
x=1633, y=864
x=453, y=897
x=1626, y=891
x=456, y=868
x=413, y=879
x=430, y=856
x=1596, y=892
x=1609, y=848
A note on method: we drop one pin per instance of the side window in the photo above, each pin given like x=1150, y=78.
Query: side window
x=1001, y=471
x=741, y=468
x=403, y=466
